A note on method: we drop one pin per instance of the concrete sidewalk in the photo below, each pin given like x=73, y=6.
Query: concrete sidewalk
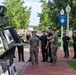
x=21, y=65
x=44, y=68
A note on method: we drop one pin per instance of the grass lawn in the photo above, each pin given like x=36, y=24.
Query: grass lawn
x=73, y=65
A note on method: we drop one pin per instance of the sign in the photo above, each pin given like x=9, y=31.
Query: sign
x=3, y=67
x=6, y=73
x=12, y=69
x=62, y=20
x=2, y=74
x=8, y=36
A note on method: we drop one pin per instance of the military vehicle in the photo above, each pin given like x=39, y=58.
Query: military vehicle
x=8, y=37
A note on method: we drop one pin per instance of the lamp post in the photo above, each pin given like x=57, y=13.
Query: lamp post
x=68, y=9
x=62, y=13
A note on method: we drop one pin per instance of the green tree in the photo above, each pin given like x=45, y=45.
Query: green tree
x=73, y=15
x=45, y=21
x=55, y=8
x=18, y=13
x=52, y=9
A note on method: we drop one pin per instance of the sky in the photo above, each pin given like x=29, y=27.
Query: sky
x=36, y=8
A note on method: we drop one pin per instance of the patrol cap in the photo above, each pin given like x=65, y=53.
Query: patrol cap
x=64, y=33
x=34, y=31
x=53, y=29
x=43, y=30
x=49, y=27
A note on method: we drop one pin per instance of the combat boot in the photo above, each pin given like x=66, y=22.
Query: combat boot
x=33, y=65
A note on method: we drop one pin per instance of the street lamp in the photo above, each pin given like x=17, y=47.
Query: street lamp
x=68, y=9
x=62, y=13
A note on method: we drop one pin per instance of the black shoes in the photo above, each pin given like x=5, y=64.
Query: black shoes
x=64, y=57
x=74, y=58
x=43, y=61
x=22, y=61
x=29, y=60
x=67, y=57
x=50, y=61
x=19, y=60
x=14, y=56
x=46, y=60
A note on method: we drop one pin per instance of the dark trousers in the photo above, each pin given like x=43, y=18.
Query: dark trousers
x=14, y=51
x=66, y=51
x=21, y=53
x=74, y=46
x=49, y=48
x=9, y=55
x=44, y=53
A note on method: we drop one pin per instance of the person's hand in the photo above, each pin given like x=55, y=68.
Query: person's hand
x=39, y=49
x=46, y=47
x=73, y=41
x=67, y=41
x=48, y=38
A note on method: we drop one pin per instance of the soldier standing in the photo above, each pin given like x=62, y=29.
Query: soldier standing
x=43, y=39
x=74, y=44
x=30, y=57
x=54, y=46
x=21, y=51
x=34, y=45
x=65, y=45
x=48, y=46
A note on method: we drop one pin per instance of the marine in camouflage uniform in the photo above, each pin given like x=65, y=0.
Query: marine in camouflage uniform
x=34, y=43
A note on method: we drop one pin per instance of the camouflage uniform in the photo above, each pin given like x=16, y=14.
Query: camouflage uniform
x=34, y=42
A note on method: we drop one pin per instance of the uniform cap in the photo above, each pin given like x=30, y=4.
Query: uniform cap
x=49, y=27
x=64, y=33
x=43, y=31
x=34, y=31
